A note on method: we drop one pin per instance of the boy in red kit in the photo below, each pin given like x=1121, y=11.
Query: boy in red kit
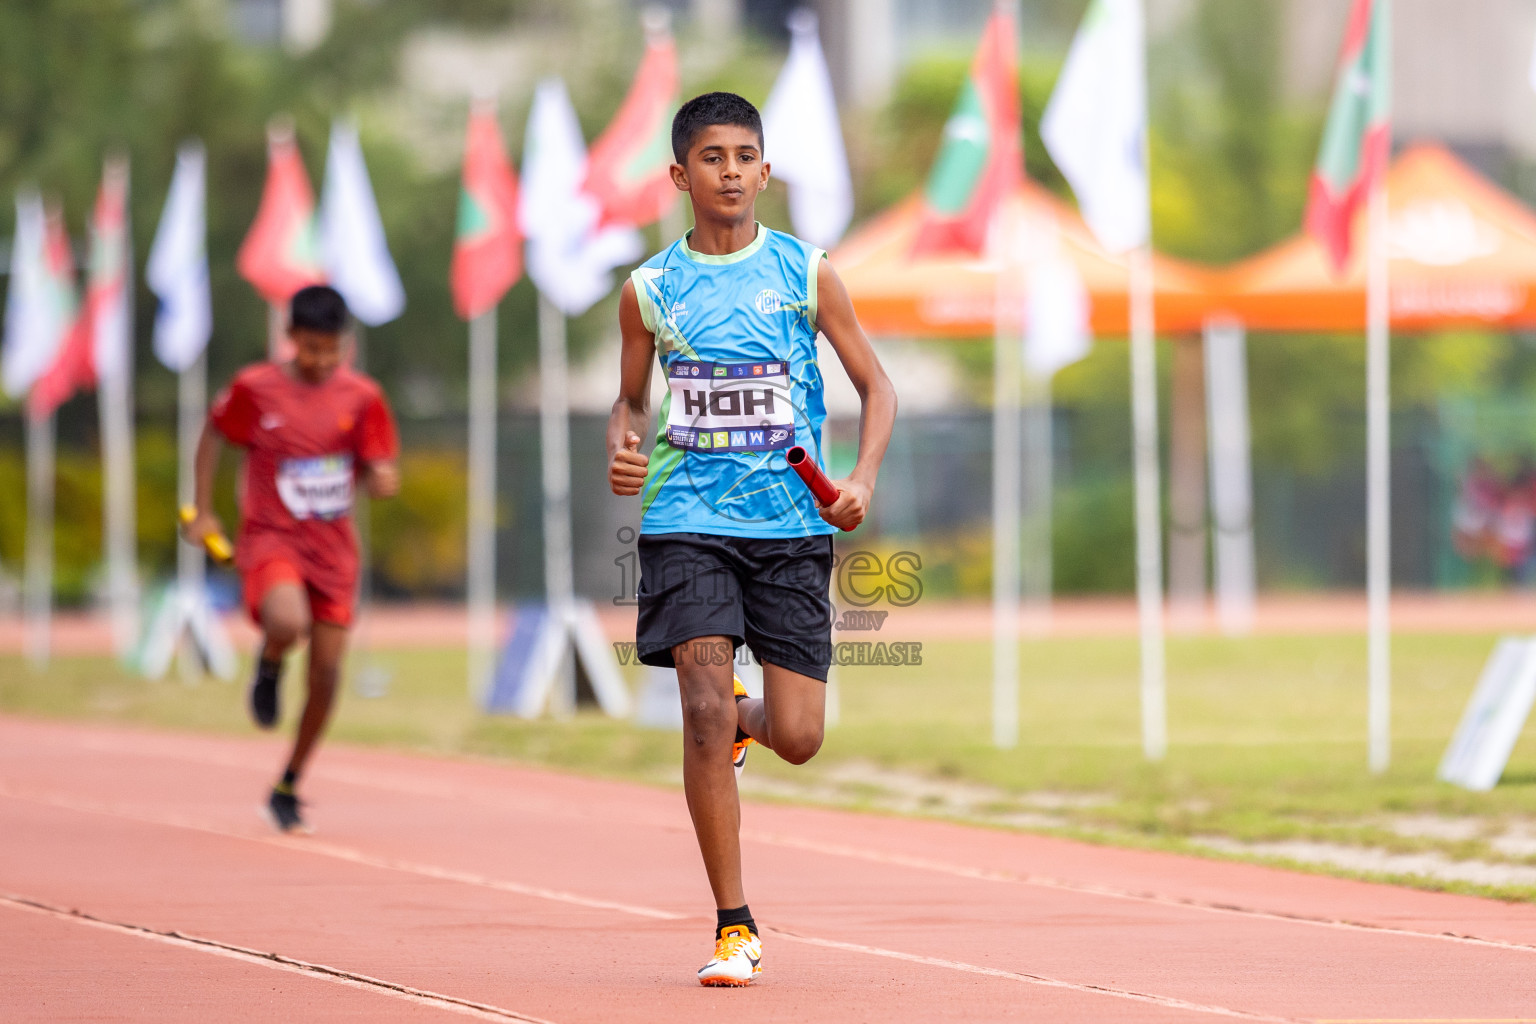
x=310, y=427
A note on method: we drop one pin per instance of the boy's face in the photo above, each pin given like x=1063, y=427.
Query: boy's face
x=724, y=172
x=316, y=354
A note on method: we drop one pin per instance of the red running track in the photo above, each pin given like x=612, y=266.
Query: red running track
x=138, y=884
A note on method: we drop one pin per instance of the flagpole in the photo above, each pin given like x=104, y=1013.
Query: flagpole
x=39, y=555
x=192, y=402
x=274, y=332
x=1378, y=481
x=115, y=410
x=481, y=583
x=362, y=526
x=1036, y=569
x=555, y=446
x=1006, y=402
x=1149, y=541
x=1231, y=476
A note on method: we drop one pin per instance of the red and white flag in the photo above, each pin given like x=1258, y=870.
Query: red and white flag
x=1357, y=140
x=281, y=252
x=71, y=367
x=629, y=166
x=97, y=346
x=981, y=158
x=488, y=246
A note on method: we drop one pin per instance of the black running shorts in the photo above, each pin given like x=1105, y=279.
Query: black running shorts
x=769, y=592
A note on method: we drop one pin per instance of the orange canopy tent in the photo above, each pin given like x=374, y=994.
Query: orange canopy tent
x=955, y=296
x=1461, y=251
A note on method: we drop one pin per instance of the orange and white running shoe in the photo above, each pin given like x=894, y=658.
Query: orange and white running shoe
x=743, y=741
x=738, y=958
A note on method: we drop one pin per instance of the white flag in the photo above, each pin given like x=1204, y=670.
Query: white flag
x=33, y=325
x=569, y=259
x=1056, y=317
x=352, y=242
x=1095, y=126
x=178, y=266
x=804, y=142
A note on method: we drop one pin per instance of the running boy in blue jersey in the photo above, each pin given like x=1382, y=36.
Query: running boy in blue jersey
x=733, y=548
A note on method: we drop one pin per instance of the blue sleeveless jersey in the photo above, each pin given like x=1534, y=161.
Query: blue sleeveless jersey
x=736, y=341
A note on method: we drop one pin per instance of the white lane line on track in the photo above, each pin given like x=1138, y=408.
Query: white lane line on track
x=1167, y=1002
x=1108, y=892
x=352, y=777
x=321, y=848
x=276, y=961
x=357, y=857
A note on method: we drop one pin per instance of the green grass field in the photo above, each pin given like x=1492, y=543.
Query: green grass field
x=1267, y=741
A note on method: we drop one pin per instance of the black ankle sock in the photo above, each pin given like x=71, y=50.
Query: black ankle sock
x=290, y=779
x=269, y=668
x=740, y=915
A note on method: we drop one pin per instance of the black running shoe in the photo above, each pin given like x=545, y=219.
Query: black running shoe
x=263, y=696
x=283, y=812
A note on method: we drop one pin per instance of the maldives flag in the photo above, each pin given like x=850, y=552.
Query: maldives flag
x=281, y=253
x=107, y=285
x=628, y=167
x=488, y=249
x=72, y=367
x=981, y=158
x=1357, y=140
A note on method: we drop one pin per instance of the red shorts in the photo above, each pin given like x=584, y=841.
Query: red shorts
x=267, y=560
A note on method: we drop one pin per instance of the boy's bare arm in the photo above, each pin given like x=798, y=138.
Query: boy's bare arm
x=631, y=411
x=835, y=318
x=382, y=478
x=205, y=466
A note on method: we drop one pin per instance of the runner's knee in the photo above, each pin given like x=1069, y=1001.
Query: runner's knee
x=798, y=745
x=284, y=622
x=707, y=718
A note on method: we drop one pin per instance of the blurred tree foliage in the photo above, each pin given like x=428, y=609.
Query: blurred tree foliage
x=79, y=78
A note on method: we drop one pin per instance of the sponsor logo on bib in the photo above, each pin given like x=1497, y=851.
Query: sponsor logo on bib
x=735, y=407
x=319, y=487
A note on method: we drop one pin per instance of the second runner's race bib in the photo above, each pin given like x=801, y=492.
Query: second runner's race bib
x=730, y=407
x=316, y=488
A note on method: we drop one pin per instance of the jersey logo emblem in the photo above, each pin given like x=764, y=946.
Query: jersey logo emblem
x=679, y=310
x=271, y=421
x=344, y=422
x=769, y=302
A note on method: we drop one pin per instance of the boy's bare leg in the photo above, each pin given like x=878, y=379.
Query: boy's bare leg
x=709, y=780
x=327, y=645
x=284, y=619
x=789, y=719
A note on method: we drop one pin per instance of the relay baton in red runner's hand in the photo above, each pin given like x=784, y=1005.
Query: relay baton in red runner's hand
x=821, y=488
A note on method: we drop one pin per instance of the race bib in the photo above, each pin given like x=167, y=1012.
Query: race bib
x=316, y=488
x=730, y=407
